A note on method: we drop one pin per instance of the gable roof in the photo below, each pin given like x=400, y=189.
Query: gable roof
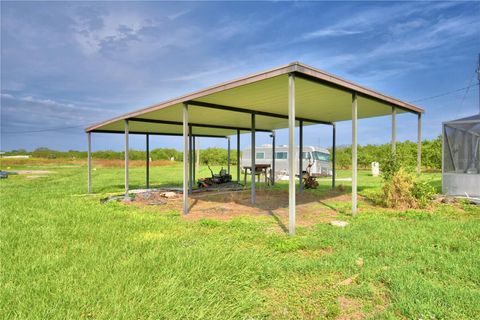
x=222, y=109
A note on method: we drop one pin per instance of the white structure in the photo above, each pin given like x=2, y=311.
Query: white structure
x=375, y=169
x=461, y=157
x=319, y=157
x=16, y=157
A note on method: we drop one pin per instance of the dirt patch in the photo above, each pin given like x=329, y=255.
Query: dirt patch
x=350, y=309
x=349, y=280
x=228, y=205
x=34, y=172
x=160, y=200
x=340, y=197
x=272, y=204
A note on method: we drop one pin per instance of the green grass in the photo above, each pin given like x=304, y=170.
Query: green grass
x=66, y=255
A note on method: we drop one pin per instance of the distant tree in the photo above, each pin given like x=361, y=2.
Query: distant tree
x=17, y=152
x=217, y=156
x=406, y=154
x=432, y=153
x=166, y=154
x=44, y=152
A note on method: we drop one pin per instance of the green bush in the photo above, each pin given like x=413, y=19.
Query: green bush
x=390, y=166
x=403, y=190
x=423, y=192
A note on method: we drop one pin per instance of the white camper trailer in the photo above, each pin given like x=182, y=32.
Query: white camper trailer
x=317, y=156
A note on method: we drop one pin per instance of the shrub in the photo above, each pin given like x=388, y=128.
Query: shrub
x=401, y=189
x=423, y=192
x=404, y=191
x=397, y=191
x=390, y=167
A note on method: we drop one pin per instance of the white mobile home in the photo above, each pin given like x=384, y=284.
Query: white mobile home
x=317, y=156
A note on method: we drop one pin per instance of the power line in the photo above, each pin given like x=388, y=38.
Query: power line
x=443, y=94
x=465, y=95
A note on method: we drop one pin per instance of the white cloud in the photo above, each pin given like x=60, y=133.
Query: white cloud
x=444, y=32
x=48, y=103
x=114, y=26
x=201, y=74
x=392, y=18
x=176, y=15
x=330, y=32
x=400, y=38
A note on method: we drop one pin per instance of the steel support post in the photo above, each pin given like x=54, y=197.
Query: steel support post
x=443, y=153
x=300, y=157
x=253, y=153
x=185, y=158
x=228, y=155
x=394, y=131
x=89, y=162
x=354, y=153
x=334, y=146
x=419, y=143
x=238, y=156
x=194, y=155
x=291, y=154
x=126, y=159
x=273, y=157
x=147, y=165
x=190, y=160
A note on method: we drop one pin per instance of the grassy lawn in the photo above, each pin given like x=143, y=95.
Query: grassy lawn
x=65, y=255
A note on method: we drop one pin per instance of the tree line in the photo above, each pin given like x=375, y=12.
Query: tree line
x=214, y=156
x=406, y=154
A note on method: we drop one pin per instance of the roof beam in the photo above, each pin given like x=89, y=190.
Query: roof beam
x=259, y=113
x=159, y=133
x=200, y=125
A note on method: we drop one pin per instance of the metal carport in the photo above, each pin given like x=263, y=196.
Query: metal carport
x=265, y=101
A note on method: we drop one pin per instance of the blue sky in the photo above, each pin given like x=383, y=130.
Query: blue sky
x=67, y=65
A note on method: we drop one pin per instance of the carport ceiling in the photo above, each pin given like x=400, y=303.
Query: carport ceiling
x=320, y=98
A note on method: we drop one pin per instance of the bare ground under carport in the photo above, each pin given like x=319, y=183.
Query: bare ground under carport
x=226, y=205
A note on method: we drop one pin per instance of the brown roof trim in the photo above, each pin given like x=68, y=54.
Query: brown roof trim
x=294, y=67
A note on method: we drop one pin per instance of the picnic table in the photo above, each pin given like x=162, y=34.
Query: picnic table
x=259, y=170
